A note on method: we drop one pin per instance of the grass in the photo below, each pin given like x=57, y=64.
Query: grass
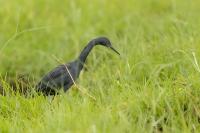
x=153, y=87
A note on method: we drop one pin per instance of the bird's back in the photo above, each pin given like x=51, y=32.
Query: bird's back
x=57, y=78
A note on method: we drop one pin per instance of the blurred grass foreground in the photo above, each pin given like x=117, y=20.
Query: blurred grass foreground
x=153, y=87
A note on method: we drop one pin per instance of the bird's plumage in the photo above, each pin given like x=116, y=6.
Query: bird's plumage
x=59, y=77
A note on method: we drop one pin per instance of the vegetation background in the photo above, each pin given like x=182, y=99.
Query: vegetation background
x=153, y=87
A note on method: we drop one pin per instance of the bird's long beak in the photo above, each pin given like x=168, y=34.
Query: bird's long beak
x=114, y=50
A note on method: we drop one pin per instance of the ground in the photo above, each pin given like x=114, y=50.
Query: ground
x=154, y=86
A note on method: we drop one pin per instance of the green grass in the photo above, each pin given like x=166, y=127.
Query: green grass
x=153, y=86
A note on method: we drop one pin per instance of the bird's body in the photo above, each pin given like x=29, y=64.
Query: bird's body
x=58, y=78
x=64, y=75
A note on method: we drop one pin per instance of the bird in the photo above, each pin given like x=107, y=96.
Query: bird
x=64, y=75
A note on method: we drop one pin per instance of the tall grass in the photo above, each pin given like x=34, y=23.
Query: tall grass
x=153, y=87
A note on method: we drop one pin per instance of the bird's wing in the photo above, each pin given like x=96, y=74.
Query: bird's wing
x=58, y=71
x=57, y=77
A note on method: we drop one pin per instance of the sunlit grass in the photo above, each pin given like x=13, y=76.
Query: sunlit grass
x=152, y=87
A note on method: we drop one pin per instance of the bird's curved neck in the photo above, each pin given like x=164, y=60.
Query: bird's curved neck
x=85, y=52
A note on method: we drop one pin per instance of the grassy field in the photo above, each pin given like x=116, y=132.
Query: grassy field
x=153, y=87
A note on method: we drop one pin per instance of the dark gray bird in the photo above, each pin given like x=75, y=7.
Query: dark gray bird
x=60, y=78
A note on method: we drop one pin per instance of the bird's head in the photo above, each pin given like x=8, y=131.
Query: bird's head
x=105, y=42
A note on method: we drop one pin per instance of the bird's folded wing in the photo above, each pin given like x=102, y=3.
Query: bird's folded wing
x=57, y=77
